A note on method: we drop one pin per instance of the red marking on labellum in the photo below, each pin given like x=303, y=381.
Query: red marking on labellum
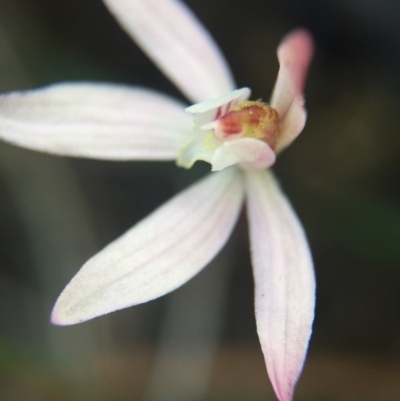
x=249, y=119
x=231, y=123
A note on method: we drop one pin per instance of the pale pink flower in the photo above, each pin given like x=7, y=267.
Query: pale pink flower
x=241, y=138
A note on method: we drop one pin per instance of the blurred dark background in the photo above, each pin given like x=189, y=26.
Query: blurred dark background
x=199, y=343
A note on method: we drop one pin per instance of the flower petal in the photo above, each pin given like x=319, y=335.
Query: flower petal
x=95, y=120
x=211, y=110
x=252, y=153
x=294, y=55
x=284, y=282
x=292, y=125
x=159, y=254
x=176, y=41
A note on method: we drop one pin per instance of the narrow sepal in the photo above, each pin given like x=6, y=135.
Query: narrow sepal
x=97, y=121
x=159, y=254
x=284, y=281
x=171, y=35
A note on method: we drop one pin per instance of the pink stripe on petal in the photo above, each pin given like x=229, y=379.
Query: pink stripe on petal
x=171, y=35
x=284, y=282
x=294, y=55
x=97, y=121
x=159, y=254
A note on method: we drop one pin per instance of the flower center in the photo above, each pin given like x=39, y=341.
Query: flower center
x=231, y=130
x=251, y=119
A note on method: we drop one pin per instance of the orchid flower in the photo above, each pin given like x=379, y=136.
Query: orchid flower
x=238, y=137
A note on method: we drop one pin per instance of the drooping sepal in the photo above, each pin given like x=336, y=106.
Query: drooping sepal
x=284, y=281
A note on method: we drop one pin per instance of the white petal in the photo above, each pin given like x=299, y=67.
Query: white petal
x=211, y=110
x=284, y=282
x=294, y=55
x=176, y=41
x=95, y=120
x=251, y=153
x=159, y=254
